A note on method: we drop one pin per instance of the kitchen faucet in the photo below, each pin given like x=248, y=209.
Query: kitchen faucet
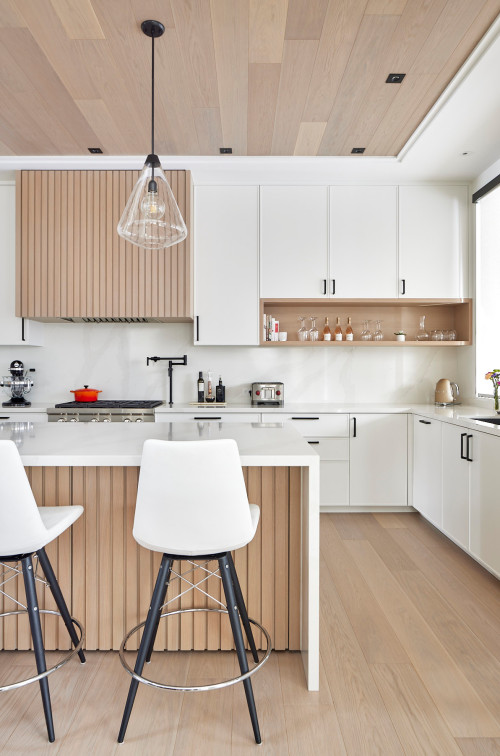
x=171, y=362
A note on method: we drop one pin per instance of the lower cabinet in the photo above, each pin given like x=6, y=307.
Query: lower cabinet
x=428, y=469
x=457, y=468
x=204, y=416
x=378, y=454
x=484, y=453
x=334, y=471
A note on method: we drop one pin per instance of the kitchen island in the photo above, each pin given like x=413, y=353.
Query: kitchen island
x=109, y=577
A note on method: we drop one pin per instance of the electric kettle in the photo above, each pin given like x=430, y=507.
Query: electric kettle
x=447, y=393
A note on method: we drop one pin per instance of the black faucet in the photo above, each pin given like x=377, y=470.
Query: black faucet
x=171, y=362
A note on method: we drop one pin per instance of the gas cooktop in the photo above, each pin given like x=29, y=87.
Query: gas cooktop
x=112, y=404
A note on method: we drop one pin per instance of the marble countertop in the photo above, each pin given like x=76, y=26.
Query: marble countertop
x=120, y=444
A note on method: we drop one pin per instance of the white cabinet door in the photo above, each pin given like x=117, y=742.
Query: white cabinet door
x=363, y=241
x=294, y=241
x=13, y=331
x=378, y=460
x=456, y=472
x=333, y=471
x=427, y=469
x=433, y=241
x=226, y=263
x=484, y=500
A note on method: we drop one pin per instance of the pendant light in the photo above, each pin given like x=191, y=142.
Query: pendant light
x=151, y=218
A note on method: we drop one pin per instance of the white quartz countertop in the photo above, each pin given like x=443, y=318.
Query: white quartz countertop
x=120, y=444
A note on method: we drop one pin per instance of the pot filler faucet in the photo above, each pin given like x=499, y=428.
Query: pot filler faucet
x=171, y=362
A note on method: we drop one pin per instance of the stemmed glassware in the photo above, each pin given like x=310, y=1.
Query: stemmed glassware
x=302, y=333
x=366, y=334
x=313, y=331
x=422, y=334
x=379, y=334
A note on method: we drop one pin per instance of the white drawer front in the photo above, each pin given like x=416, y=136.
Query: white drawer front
x=330, y=448
x=208, y=416
x=312, y=425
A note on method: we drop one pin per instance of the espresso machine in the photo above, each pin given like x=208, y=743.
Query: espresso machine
x=18, y=384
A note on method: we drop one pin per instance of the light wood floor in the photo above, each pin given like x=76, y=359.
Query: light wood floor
x=410, y=664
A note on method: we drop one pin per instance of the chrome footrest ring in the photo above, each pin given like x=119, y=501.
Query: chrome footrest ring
x=191, y=688
x=60, y=664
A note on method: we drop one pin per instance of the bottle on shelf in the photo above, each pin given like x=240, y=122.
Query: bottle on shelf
x=201, y=388
x=209, y=397
x=338, y=331
x=349, y=335
x=327, y=333
x=220, y=391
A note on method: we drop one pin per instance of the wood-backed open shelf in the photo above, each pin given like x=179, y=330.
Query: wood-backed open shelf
x=395, y=315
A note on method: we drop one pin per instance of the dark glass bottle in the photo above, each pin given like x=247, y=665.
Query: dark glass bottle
x=220, y=391
x=201, y=388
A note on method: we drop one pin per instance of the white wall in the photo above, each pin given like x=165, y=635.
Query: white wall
x=112, y=357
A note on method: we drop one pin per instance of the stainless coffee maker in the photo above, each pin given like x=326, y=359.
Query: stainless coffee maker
x=18, y=383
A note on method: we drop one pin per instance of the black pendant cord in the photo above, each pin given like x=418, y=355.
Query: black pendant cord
x=152, y=102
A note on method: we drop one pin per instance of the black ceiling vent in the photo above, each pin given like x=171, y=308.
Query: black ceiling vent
x=95, y=150
x=395, y=78
x=358, y=150
x=226, y=150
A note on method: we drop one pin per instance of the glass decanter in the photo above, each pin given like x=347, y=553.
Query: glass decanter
x=313, y=331
x=366, y=334
x=302, y=333
x=422, y=334
x=378, y=334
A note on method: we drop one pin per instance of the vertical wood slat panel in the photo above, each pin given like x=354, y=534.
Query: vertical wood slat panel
x=63, y=569
x=42, y=251
x=57, y=232
x=131, y=558
x=267, y=515
x=105, y=557
x=294, y=558
x=281, y=558
x=125, y=258
x=76, y=243
x=70, y=247
x=254, y=553
x=48, y=297
x=79, y=545
x=118, y=566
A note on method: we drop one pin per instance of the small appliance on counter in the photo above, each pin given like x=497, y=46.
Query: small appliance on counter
x=447, y=393
x=18, y=383
x=104, y=411
x=270, y=394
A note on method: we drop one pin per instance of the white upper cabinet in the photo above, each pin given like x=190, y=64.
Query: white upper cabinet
x=363, y=242
x=433, y=241
x=294, y=241
x=226, y=249
x=13, y=331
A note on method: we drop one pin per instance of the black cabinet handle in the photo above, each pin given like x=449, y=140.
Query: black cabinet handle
x=197, y=328
x=206, y=417
x=305, y=418
x=333, y=286
x=462, y=455
x=23, y=335
x=468, y=457
x=354, y=428
x=425, y=422
x=313, y=442
x=5, y=417
x=324, y=286
x=403, y=281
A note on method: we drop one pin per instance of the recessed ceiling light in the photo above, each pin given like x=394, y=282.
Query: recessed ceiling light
x=395, y=78
x=95, y=150
x=226, y=150
x=357, y=150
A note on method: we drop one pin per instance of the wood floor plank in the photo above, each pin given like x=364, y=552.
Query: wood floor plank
x=390, y=553
x=392, y=520
x=419, y=725
x=301, y=721
x=479, y=746
x=373, y=632
x=292, y=683
x=347, y=525
x=458, y=702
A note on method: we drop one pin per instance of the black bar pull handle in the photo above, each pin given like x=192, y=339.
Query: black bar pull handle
x=462, y=455
x=206, y=417
x=23, y=333
x=468, y=452
x=4, y=417
x=305, y=418
x=333, y=286
x=403, y=282
x=425, y=422
x=354, y=427
x=324, y=286
x=197, y=328
x=313, y=442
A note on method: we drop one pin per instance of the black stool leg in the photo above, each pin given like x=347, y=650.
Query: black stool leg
x=158, y=615
x=149, y=629
x=59, y=599
x=242, y=608
x=232, y=609
x=36, y=634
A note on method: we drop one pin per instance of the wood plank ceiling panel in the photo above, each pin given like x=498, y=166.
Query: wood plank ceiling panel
x=78, y=18
x=305, y=19
x=266, y=33
x=263, y=86
x=10, y=18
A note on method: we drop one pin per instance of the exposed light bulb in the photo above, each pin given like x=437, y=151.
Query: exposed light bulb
x=152, y=207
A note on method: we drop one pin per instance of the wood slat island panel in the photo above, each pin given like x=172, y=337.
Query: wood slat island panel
x=107, y=578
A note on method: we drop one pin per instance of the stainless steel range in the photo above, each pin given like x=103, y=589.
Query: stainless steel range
x=104, y=411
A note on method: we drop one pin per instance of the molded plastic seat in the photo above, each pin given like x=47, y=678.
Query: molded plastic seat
x=192, y=498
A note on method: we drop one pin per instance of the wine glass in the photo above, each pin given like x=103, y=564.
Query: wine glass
x=366, y=334
x=313, y=331
x=379, y=334
x=302, y=333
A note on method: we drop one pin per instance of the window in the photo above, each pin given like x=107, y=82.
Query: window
x=487, y=289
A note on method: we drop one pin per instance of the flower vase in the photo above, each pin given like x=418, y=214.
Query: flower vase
x=495, y=397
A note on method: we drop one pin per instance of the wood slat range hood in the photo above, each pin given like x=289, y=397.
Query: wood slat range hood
x=73, y=266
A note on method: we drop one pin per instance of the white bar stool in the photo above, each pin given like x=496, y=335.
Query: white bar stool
x=192, y=505
x=25, y=530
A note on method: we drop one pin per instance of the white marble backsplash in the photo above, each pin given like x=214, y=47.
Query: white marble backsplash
x=112, y=357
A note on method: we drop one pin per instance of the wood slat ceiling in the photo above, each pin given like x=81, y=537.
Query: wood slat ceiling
x=265, y=77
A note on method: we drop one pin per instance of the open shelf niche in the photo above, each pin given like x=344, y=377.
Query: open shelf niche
x=394, y=314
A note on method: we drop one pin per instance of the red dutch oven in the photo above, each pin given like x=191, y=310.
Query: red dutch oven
x=86, y=394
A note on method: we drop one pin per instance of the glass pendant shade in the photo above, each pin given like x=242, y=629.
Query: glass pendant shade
x=151, y=218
